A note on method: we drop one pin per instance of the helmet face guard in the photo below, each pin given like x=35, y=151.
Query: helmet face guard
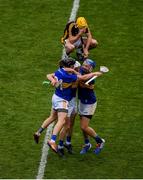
x=89, y=65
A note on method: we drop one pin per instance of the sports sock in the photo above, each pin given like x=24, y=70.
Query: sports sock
x=86, y=141
x=98, y=139
x=68, y=140
x=40, y=130
x=61, y=144
x=53, y=138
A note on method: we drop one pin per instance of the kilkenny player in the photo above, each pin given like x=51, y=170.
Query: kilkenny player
x=77, y=35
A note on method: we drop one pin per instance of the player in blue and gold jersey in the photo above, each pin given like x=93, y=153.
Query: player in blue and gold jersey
x=60, y=100
x=66, y=132
x=87, y=107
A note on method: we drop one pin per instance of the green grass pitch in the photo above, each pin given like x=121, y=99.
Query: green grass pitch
x=30, y=32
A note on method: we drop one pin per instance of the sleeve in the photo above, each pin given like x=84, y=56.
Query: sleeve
x=71, y=26
x=57, y=75
x=70, y=78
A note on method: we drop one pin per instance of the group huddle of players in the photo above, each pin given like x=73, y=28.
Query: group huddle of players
x=70, y=79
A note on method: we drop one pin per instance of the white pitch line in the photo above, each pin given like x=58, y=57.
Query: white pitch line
x=44, y=155
x=74, y=10
x=45, y=148
x=72, y=18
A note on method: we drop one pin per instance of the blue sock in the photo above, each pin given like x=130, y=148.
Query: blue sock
x=68, y=139
x=98, y=139
x=54, y=137
x=61, y=143
x=86, y=141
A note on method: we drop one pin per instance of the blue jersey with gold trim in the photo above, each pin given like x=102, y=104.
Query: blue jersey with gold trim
x=86, y=92
x=65, y=89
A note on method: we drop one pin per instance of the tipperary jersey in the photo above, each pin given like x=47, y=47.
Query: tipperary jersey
x=74, y=88
x=86, y=92
x=65, y=89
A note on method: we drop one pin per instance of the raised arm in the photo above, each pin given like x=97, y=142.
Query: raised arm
x=88, y=76
x=70, y=70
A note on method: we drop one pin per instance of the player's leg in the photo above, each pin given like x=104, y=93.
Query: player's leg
x=68, y=144
x=69, y=47
x=87, y=146
x=72, y=111
x=79, y=45
x=45, y=124
x=84, y=125
x=58, y=126
x=66, y=127
x=86, y=111
x=91, y=132
x=66, y=130
x=62, y=136
x=70, y=129
x=93, y=43
x=61, y=107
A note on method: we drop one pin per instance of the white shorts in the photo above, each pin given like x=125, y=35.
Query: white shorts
x=86, y=109
x=78, y=43
x=59, y=104
x=72, y=107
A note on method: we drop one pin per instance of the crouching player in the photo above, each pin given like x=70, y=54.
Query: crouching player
x=87, y=106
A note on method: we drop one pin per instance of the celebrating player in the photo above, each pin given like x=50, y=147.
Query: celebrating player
x=72, y=112
x=87, y=106
x=61, y=98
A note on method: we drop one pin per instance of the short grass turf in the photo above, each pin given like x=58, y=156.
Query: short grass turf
x=29, y=48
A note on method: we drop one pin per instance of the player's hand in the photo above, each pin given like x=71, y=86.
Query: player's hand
x=54, y=82
x=98, y=73
x=82, y=31
x=86, y=53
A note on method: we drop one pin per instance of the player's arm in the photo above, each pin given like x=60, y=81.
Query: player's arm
x=70, y=70
x=51, y=77
x=88, y=76
x=89, y=39
x=72, y=38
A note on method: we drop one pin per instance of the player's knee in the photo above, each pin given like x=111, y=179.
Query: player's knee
x=70, y=48
x=83, y=127
x=64, y=121
x=94, y=43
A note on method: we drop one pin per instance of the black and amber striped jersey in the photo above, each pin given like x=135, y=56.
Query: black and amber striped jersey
x=70, y=28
